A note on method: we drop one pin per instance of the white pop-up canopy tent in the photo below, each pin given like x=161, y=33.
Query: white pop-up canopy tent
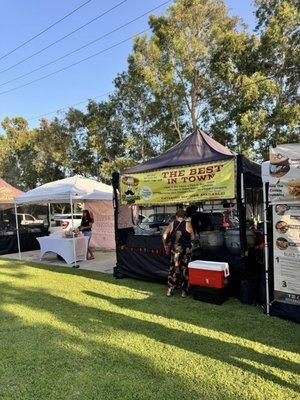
x=75, y=189
x=68, y=190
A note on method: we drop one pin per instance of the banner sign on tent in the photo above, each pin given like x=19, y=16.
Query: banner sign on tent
x=213, y=181
x=284, y=173
x=286, y=237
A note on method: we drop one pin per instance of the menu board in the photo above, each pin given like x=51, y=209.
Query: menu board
x=286, y=239
x=284, y=173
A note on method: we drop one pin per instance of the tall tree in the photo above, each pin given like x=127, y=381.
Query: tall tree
x=254, y=81
x=17, y=152
x=278, y=26
x=106, y=136
x=147, y=117
x=78, y=152
x=175, y=60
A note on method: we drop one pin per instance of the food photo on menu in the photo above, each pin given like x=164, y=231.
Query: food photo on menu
x=294, y=188
x=282, y=243
x=279, y=165
x=284, y=170
x=280, y=209
x=282, y=227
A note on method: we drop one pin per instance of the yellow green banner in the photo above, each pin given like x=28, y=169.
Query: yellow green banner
x=193, y=183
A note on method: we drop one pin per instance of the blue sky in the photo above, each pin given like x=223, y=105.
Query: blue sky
x=23, y=19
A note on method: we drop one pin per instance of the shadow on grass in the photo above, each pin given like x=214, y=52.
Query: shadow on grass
x=254, y=325
x=92, y=319
x=242, y=321
x=54, y=364
x=42, y=361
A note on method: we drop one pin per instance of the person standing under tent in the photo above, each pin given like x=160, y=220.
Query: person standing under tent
x=195, y=217
x=86, y=228
x=127, y=218
x=180, y=235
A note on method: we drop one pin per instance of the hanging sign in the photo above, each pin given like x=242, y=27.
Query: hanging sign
x=286, y=237
x=284, y=173
x=213, y=181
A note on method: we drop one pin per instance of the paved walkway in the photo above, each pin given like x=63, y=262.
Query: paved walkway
x=104, y=261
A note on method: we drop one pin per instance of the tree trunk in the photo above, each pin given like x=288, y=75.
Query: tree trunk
x=193, y=108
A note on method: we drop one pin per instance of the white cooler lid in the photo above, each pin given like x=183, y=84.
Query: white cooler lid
x=210, y=265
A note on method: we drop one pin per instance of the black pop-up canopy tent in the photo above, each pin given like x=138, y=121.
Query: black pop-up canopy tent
x=196, y=149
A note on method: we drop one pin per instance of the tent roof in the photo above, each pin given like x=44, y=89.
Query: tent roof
x=196, y=148
x=77, y=187
x=250, y=166
x=7, y=193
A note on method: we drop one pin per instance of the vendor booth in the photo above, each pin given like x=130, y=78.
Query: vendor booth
x=76, y=189
x=281, y=180
x=225, y=189
x=8, y=227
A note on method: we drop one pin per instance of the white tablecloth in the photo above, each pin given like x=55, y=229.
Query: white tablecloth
x=64, y=247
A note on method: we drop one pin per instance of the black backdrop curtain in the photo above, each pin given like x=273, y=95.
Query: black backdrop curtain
x=28, y=241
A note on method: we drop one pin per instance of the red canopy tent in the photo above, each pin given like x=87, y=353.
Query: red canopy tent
x=7, y=194
x=10, y=240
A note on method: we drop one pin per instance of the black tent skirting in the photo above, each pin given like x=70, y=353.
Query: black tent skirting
x=285, y=311
x=152, y=264
x=28, y=241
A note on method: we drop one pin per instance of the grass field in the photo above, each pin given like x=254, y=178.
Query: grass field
x=68, y=334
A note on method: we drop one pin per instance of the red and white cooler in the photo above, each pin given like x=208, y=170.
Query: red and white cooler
x=208, y=273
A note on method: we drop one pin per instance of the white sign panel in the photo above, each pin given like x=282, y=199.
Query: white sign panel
x=284, y=173
x=286, y=237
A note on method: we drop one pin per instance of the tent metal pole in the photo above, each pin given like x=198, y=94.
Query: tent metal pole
x=265, y=206
x=242, y=189
x=49, y=216
x=73, y=233
x=18, y=235
x=241, y=205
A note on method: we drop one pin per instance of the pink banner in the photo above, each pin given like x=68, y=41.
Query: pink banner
x=103, y=233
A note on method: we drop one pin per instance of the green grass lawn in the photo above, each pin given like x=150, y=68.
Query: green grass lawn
x=72, y=334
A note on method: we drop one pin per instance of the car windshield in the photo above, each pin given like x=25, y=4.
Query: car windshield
x=156, y=218
x=68, y=216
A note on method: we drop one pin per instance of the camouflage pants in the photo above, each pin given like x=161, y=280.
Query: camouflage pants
x=178, y=272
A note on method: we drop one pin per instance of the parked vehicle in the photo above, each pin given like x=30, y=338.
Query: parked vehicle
x=154, y=221
x=28, y=219
x=141, y=218
x=63, y=222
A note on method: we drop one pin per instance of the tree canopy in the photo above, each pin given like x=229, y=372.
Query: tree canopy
x=199, y=67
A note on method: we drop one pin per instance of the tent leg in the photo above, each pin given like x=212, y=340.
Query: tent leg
x=18, y=234
x=266, y=249
x=74, y=243
x=49, y=217
x=241, y=207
